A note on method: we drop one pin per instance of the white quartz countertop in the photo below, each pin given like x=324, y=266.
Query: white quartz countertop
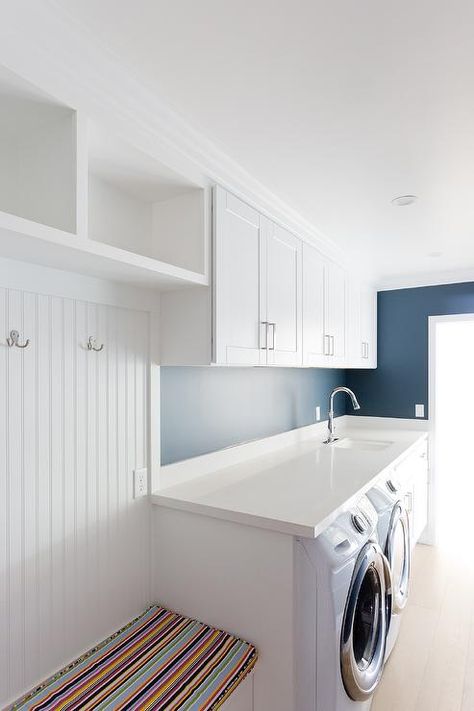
x=299, y=489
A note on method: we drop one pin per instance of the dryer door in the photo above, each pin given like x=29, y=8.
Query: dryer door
x=398, y=552
x=364, y=626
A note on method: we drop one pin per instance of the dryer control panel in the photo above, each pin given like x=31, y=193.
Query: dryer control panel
x=364, y=516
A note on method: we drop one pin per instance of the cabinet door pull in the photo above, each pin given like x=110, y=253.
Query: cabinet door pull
x=265, y=347
x=326, y=344
x=273, y=325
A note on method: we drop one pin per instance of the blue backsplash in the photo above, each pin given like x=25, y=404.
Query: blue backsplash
x=401, y=378
x=205, y=409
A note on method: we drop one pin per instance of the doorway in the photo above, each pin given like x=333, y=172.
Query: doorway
x=432, y=666
x=451, y=406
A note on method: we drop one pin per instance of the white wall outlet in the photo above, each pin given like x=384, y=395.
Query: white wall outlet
x=419, y=410
x=140, y=488
x=317, y=412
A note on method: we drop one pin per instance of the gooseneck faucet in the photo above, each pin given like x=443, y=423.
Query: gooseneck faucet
x=355, y=405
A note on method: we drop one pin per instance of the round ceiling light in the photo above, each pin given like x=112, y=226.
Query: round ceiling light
x=403, y=200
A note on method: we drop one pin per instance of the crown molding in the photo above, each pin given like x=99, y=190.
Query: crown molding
x=51, y=49
x=455, y=276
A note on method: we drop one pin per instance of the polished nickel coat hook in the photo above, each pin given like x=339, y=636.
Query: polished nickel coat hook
x=14, y=340
x=91, y=345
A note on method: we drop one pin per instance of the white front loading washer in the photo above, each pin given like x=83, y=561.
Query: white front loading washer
x=388, y=499
x=343, y=607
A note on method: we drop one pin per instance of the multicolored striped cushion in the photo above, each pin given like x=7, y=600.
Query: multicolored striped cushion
x=160, y=660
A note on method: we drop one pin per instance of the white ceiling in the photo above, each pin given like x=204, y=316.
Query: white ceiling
x=337, y=107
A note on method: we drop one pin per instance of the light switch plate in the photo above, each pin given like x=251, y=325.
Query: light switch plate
x=140, y=477
x=419, y=410
x=317, y=412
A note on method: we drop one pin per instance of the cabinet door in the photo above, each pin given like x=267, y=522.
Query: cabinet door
x=315, y=345
x=335, y=305
x=368, y=330
x=420, y=492
x=413, y=475
x=239, y=300
x=420, y=505
x=353, y=325
x=284, y=295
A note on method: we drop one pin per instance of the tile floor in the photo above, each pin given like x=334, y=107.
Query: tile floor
x=432, y=666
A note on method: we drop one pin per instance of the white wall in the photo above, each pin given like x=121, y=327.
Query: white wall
x=74, y=544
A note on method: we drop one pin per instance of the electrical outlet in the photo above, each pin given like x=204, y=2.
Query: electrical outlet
x=318, y=413
x=419, y=410
x=140, y=483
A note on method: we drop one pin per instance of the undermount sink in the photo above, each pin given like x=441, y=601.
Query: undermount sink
x=364, y=444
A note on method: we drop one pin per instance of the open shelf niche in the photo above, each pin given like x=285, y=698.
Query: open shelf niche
x=141, y=206
x=37, y=155
x=85, y=201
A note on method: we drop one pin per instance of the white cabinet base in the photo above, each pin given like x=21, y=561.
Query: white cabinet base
x=236, y=578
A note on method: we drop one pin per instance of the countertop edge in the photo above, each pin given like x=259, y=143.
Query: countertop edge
x=286, y=527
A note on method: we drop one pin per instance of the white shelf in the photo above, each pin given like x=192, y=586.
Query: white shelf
x=31, y=242
x=139, y=205
x=75, y=197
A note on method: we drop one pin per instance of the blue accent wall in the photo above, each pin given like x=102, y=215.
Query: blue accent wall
x=401, y=378
x=205, y=409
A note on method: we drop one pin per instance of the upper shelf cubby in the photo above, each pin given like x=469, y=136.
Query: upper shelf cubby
x=139, y=205
x=77, y=198
x=37, y=155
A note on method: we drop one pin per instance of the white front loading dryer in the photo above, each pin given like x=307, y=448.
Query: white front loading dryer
x=343, y=607
x=393, y=527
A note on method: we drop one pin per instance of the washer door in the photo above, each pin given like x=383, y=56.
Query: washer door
x=364, y=627
x=398, y=552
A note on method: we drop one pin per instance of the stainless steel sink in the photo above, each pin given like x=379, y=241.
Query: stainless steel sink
x=363, y=444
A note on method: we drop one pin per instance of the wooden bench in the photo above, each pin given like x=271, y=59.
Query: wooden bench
x=160, y=660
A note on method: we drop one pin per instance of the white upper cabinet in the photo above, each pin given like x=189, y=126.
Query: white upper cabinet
x=239, y=293
x=314, y=341
x=335, y=313
x=74, y=196
x=361, y=326
x=323, y=311
x=368, y=329
x=257, y=287
x=353, y=329
x=283, y=277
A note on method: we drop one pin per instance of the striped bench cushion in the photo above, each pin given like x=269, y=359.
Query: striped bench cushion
x=160, y=660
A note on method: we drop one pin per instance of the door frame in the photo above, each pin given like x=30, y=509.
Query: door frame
x=430, y=535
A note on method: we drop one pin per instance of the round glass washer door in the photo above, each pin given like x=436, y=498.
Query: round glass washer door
x=398, y=552
x=365, y=624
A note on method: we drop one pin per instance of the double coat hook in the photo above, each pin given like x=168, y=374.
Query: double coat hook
x=91, y=345
x=14, y=340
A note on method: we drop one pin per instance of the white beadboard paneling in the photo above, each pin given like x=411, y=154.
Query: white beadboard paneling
x=73, y=426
